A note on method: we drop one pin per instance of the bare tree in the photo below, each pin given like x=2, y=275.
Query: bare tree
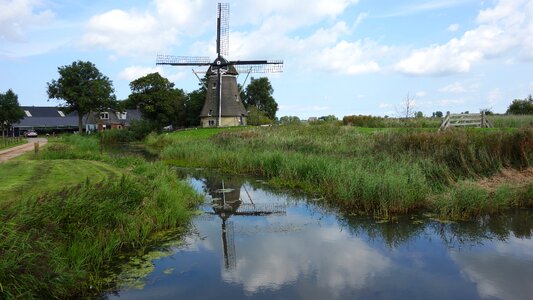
x=407, y=108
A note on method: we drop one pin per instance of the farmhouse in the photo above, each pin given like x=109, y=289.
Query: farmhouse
x=47, y=119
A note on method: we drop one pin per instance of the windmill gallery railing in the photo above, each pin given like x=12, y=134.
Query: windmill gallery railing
x=465, y=120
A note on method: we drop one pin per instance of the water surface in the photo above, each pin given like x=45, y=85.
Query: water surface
x=251, y=241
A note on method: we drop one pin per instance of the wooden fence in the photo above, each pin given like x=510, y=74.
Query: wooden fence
x=6, y=141
x=465, y=120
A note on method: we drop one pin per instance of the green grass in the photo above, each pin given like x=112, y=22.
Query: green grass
x=468, y=200
x=6, y=143
x=378, y=171
x=69, y=211
x=510, y=121
x=498, y=121
x=34, y=177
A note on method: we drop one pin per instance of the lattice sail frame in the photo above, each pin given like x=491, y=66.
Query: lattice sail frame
x=223, y=30
x=182, y=60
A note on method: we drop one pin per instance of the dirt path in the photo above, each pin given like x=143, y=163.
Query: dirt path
x=10, y=153
x=508, y=177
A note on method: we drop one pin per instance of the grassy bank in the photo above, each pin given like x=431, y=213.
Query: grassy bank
x=8, y=142
x=372, y=171
x=68, y=212
x=497, y=121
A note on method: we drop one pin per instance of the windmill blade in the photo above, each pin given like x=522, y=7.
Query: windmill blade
x=258, y=66
x=182, y=60
x=223, y=29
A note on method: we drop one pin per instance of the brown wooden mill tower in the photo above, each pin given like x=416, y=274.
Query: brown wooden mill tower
x=223, y=105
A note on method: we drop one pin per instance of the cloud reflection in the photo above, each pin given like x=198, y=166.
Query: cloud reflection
x=336, y=259
x=503, y=273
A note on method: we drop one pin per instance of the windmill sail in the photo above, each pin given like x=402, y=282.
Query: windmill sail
x=223, y=106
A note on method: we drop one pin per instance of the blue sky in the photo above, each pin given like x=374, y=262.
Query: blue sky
x=342, y=57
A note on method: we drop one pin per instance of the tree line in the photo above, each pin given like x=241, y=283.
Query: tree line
x=83, y=89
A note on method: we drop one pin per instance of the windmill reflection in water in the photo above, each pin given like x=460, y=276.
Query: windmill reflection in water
x=227, y=202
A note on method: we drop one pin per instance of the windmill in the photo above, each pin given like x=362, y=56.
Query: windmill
x=226, y=202
x=223, y=106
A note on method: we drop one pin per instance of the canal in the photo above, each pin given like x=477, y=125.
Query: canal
x=251, y=241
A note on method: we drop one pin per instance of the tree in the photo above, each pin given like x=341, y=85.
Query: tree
x=407, y=107
x=419, y=114
x=194, y=103
x=83, y=88
x=158, y=100
x=259, y=95
x=10, y=111
x=257, y=117
x=328, y=118
x=521, y=107
x=437, y=114
x=290, y=120
x=486, y=111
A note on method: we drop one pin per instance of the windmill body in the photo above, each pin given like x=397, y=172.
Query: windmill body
x=223, y=105
x=232, y=111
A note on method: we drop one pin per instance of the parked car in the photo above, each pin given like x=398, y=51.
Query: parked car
x=30, y=133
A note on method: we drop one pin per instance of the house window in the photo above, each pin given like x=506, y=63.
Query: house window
x=211, y=123
x=210, y=113
x=27, y=112
x=121, y=115
x=214, y=85
x=62, y=114
x=236, y=98
x=104, y=115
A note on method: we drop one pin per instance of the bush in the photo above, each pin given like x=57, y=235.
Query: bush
x=364, y=121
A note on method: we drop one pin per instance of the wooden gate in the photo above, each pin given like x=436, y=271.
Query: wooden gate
x=465, y=120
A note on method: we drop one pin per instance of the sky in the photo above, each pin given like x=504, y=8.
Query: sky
x=341, y=57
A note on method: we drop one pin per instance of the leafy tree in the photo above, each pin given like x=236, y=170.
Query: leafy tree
x=521, y=107
x=257, y=117
x=486, y=111
x=83, y=88
x=193, y=107
x=437, y=114
x=328, y=118
x=158, y=100
x=195, y=102
x=289, y=120
x=419, y=114
x=10, y=111
x=259, y=95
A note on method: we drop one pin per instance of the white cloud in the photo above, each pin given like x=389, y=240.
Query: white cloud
x=133, y=72
x=494, y=96
x=453, y=27
x=386, y=105
x=140, y=33
x=424, y=7
x=16, y=17
x=290, y=14
x=127, y=33
x=455, y=87
x=501, y=275
x=507, y=26
x=265, y=265
x=420, y=94
x=347, y=58
x=449, y=102
x=299, y=108
x=146, y=33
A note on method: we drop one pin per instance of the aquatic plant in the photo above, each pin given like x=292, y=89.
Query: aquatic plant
x=59, y=242
x=376, y=171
